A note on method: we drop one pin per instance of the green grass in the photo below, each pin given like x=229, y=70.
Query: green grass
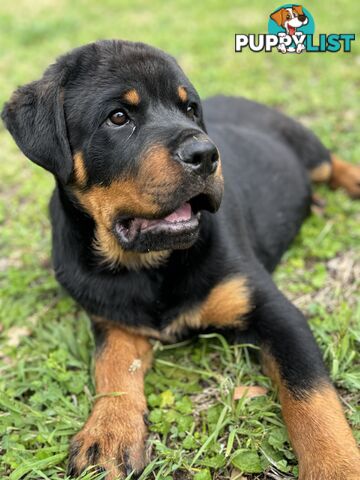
x=198, y=431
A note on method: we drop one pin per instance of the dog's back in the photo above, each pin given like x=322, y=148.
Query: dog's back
x=266, y=157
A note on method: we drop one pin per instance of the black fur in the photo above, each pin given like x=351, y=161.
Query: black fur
x=73, y=453
x=93, y=453
x=265, y=155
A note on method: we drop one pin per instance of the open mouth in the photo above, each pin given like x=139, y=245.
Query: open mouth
x=174, y=230
x=292, y=30
x=182, y=220
x=179, y=229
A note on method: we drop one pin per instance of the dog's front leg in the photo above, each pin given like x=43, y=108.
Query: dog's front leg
x=317, y=427
x=113, y=438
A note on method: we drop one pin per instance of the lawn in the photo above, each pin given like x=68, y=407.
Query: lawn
x=198, y=430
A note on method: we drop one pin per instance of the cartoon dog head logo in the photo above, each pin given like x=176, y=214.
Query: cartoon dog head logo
x=293, y=21
x=290, y=18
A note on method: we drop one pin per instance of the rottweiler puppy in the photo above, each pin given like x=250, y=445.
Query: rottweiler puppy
x=140, y=165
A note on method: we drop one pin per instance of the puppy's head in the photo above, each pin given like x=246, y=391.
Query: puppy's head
x=121, y=128
x=290, y=18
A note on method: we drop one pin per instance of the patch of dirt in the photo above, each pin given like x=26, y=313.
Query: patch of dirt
x=343, y=277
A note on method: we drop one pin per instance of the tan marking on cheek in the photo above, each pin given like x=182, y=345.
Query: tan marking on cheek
x=158, y=169
x=132, y=97
x=225, y=306
x=103, y=203
x=80, y=172
x=183, y=95
x=321, y=173
x=136, y=197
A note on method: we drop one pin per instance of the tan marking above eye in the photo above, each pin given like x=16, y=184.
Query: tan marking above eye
x=182, y=94
x=132, y=97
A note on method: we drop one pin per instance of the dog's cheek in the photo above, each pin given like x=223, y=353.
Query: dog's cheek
x=80, y=174
x=121, y=197
x=145, y=194
x=160, y=176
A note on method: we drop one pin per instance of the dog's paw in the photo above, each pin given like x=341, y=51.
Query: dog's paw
x=300, y=48
x=112, y=440
x=347, y=176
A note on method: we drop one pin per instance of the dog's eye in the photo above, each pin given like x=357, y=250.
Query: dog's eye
x=191, y=111
x=118, y=118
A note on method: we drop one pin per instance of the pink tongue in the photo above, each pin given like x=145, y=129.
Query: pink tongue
x=182, y=214
x=291, y=30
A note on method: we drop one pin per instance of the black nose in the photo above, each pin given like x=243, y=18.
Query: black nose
x=302, y=18
x=202, y=157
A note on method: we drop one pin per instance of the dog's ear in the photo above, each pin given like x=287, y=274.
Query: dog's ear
x=298, y=9
x=35, y=118
x=278, y=16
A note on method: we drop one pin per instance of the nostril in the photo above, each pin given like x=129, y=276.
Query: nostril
x=196, y=160
x=202, y=157
x=214, y=157
x=214, y=161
